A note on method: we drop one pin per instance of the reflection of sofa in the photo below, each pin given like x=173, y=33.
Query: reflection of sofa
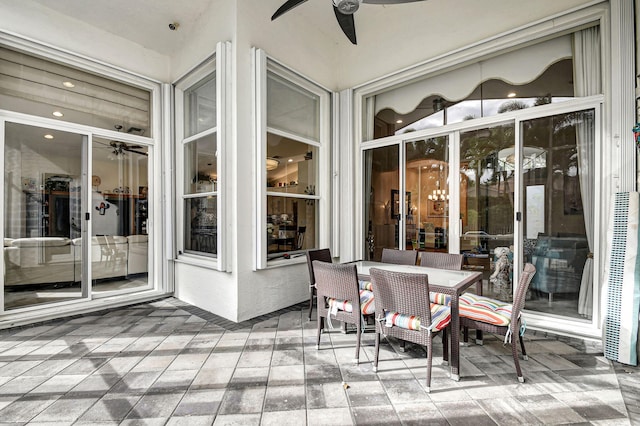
x=38, y=260
x=138, y=258
x=41, y=260
x=559, y=262
x=108, y=256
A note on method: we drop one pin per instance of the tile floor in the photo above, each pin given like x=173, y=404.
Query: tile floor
x=170, y=363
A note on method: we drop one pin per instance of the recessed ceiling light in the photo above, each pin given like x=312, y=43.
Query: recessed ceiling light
x=48, y=136
x=399, y=121
x=68, y=84
x=57, y=114
x=291, y=160
x=511, y=95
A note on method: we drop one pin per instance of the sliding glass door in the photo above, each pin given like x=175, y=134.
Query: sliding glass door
x=49, y=210
x=43, y=189
x=558, y=173
x=526, y=196
x=382, y=200
x=487, y=194
x=119, y=215
x=427, y=194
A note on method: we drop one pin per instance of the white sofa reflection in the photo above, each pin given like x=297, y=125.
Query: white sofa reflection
x=38, y=260
x=45, y=260
x=138, y=254
x=108, y=256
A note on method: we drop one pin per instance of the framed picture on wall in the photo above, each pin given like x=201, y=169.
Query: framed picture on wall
x=438, y=208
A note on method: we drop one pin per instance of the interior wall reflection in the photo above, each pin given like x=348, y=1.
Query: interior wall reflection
x=382, y=200
x=42, y=190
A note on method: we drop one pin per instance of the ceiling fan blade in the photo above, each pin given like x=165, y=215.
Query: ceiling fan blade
x=287, y=6
x=389, y=1
x=347, y=24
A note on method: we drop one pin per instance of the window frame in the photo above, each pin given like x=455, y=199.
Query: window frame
x=572, y=22
x=261, y=65
x=157, y=103
x=217, y=64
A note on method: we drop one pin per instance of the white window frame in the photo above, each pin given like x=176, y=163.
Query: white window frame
x=156, y=285
x=261, y=64
x=218, y=64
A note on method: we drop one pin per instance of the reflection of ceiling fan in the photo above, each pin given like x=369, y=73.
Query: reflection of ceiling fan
x=344, y=10
x=119, y=149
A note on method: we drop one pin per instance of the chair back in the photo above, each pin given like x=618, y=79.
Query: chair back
x=401, y=292
x=339, y=281
x=521, y=292
x=399, y=257
x=439, y=260
x=323, y=255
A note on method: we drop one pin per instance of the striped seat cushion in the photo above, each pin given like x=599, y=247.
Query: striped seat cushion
x=440, y=318
x=367, y=307
x=485, y=309
x=365, y=285
x=339, y=305
x=440, y=298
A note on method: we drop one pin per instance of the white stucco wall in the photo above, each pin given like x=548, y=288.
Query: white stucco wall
x=217, y=23
x=244, y=293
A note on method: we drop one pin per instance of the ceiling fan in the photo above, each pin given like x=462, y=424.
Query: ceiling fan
x=344, y=10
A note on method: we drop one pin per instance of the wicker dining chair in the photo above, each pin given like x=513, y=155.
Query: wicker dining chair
x=498, y=317
x=403, y=311
x=323, y=255
x=439, y=260
x=399, y=257
x=338, y=297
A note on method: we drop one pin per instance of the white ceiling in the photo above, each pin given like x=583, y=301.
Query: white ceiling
x=145, y=22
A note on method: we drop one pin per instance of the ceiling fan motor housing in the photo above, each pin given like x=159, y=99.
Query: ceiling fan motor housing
x=347, y=7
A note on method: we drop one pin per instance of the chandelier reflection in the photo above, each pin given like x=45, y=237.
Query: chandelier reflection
x=438, y=194
x=440, y=200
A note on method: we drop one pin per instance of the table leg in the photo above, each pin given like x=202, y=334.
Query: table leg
x=455, y=339
x=479, y=332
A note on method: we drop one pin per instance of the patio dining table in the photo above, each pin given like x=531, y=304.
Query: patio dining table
x=450, y=282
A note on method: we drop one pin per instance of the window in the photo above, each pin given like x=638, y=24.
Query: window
x=199, y=151
x=200, y=176
x=291, y=145
x=78, y=182
x=517, y=180
x=42, y=87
